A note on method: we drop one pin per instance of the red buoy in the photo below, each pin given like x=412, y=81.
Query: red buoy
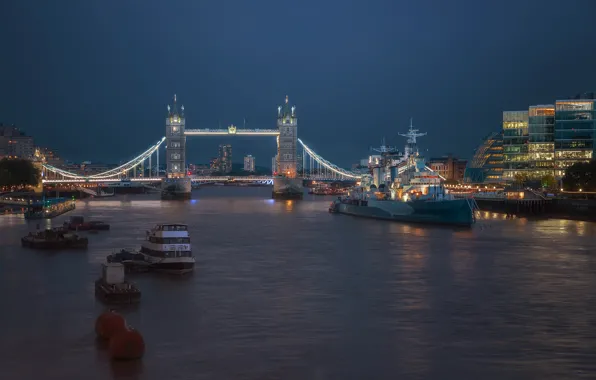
x=108, y=324
x=127, y=345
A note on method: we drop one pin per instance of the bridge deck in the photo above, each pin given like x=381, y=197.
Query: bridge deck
x=225, y=132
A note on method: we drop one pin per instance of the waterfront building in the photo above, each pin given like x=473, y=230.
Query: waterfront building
x=486, y=167
x=51, y=157
x=225, y=158
x=449, y=167
x=575, y=126
x=203, y=170
x=249, y=163
x=515, y=144
x=541, y=143
x=15, y=143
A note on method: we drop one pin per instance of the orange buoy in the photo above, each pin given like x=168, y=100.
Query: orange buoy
x=108, y=324
x=127, y=344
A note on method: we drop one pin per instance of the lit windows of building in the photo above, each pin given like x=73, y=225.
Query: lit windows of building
x=214, y=164
x=515, y=144
x=575, y=125
x=225, y=158
x=541, y=143
x=15, y=143
x=486, y=167
x=449, y=167
x=249, y=163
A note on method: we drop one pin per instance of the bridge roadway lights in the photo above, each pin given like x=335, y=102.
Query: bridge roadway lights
x=95, y=180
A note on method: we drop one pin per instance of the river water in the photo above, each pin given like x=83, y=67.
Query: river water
x=285, y=290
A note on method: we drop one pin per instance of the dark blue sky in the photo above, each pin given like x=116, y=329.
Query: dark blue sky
x=92, y=78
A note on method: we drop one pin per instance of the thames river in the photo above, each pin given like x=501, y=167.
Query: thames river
x=285, y=290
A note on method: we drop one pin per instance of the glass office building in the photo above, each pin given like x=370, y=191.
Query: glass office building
x=541, y=143
x=575, y=125
x=486, y=167
x=515, y=144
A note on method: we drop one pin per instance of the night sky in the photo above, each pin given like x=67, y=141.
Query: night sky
x=91, y=78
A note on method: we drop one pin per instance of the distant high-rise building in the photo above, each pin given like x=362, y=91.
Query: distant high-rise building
x=249, y=163
x=225, y=158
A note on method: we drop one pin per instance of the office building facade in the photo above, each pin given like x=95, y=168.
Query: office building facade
x=15, y=143
x=486, y=166
x=225, y=158
x=249, y=163
x=541, y=142
x=449, y=167
x=575, y=125
x=515, y=144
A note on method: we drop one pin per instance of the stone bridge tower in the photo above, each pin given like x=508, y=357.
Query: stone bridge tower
x=175, y=142
x=287, y=123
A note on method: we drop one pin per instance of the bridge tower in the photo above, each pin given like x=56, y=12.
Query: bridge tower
x=287, y=123
x=175, y=142
x=38, y=161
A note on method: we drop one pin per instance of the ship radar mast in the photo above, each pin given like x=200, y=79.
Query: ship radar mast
x=384, y=148
x=412, y=134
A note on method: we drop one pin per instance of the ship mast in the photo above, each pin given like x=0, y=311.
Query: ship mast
x=412, y=134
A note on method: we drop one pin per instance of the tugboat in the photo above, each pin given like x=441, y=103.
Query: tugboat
x=54, y=239
x=77, y=223
x=112, y=288
x=406, y=190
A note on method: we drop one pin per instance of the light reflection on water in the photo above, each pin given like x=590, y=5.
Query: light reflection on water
x=283, y=289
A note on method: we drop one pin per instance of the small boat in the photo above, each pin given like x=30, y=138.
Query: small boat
x=77, y=223
x=112, y=288
x=54, y=239
x=133, y=262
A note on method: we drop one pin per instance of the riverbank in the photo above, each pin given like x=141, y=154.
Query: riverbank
x=555, y=208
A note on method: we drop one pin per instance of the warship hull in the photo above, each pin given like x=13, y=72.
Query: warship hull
x=453, y=212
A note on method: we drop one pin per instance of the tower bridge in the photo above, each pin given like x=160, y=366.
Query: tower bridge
x=289, y=162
